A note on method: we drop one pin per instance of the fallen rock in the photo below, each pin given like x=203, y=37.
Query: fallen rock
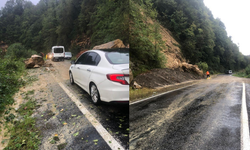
x=38, y=60
x=36, y=66
x=113, y=44
x=47, y=69
x=136, y=86
x=33, y=61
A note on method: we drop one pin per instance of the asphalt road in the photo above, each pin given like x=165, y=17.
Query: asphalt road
x=114, y=118
x=201, y=117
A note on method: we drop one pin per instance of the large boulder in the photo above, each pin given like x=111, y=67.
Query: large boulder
x=113, y=44
x=136, y=85
x=34, y=61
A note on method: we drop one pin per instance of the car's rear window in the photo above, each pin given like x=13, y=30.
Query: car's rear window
x=58, y=50
x=67, y=53
x=117, y=57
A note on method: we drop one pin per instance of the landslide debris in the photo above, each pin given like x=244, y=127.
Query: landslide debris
x=161, y=77
x=35, y=61
x=177, y=68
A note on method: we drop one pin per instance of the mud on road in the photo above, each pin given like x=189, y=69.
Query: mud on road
x=203, y=116
x=161, y=77
x=58, y=114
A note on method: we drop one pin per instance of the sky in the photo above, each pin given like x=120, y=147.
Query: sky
x=2, y=2
x=235, y=15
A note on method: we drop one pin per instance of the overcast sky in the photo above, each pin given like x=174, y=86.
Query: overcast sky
x=235, y=15
x=2, y=2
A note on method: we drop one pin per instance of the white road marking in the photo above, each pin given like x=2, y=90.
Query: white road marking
x=112, y=143
x=244, y=123
x=158, y=95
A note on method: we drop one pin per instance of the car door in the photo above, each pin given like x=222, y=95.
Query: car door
x=87, y=69
x=76, y=67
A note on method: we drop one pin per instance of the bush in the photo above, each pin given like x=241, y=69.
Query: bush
x=18, y=51
x=203, y=66
x=10, y=73
x=247, y=70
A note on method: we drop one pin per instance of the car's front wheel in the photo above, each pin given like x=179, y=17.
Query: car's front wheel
x=94, y=93
x=71, y=79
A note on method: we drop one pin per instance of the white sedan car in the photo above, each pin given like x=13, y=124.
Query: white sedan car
x=104, y=74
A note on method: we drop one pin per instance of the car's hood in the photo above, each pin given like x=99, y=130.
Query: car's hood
x=122, y=67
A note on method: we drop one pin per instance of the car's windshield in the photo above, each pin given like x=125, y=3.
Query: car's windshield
x=117, y=57
x=67, y=53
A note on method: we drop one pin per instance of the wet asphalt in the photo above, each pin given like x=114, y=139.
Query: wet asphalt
x=201, y=117
x=113, y=117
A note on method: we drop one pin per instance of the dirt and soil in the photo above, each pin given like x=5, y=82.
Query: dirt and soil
x=157, y=78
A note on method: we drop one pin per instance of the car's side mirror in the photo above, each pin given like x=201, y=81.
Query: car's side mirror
x=72, y=62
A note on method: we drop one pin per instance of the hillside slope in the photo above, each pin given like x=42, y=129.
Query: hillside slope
x=153, y=46
x=176, y=68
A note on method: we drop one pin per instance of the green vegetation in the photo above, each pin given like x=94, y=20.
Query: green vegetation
x=27, y=108
x=18, y=51
x=243, y=73
x=247, y=70
x=61, y=146
x=76, y=24
x=202, y=38
x=11, y=70
x=10, y=81
x=145, y=38
x=203, y=66
x=24, y=134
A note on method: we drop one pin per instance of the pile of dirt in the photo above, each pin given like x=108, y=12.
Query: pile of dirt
x=162, y=77
x=191, y=68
